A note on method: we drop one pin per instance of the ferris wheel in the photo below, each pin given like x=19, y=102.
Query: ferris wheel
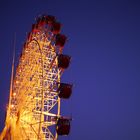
x=36, y=91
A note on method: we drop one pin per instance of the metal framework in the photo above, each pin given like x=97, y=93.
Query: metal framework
x=34, y=104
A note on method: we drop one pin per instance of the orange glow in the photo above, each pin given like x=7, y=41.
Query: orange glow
x=14, y=94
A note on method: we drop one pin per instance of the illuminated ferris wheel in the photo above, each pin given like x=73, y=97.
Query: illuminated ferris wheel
x=35, y=97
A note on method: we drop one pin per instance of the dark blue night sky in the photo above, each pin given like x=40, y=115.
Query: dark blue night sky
x=104, y=42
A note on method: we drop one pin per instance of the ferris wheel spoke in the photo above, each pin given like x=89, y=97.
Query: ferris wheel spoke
x=35, y=132
x=25, y=133
x=32, y=129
